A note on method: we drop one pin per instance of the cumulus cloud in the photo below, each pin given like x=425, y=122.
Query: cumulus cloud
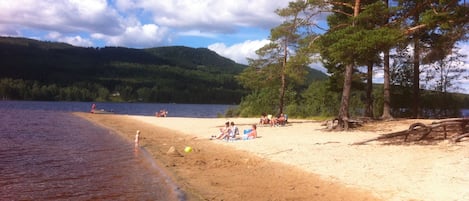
x=239, y=52
x=9, y=30
x=73, y=40
x=197, y=33
x=148, y=35
x=77, y=41
x=114, y=21
x=463, y=50
x=464, y=83
x=213, y=15
x=63, y=16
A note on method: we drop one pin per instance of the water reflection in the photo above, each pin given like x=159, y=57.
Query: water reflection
x=47, y=155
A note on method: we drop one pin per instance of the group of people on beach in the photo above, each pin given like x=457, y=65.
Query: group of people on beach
x=161, y=113
x=231, y=132
x=280, y=119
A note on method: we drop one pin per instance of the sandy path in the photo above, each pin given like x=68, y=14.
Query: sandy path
x=391, y=172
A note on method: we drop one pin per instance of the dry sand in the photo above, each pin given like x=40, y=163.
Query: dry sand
x=300, y=161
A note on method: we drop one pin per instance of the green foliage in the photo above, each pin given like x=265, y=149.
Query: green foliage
x=165, y=74
x=259, y=101
x=32, y=90
x=201, y=59
x=439, y=105
x=355, y=41
x=319, y=100
x=230, y=112
x=355, y=45
x=282, y=65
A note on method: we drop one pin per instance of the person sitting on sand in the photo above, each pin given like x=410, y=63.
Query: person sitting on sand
x=162, y=113
x=282, y=119
x=264, y=119
x=253, y=133
x=279, y=120
x=224, y=132
x=234, y=134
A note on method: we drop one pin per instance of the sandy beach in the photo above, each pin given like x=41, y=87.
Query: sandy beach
x=300, y=161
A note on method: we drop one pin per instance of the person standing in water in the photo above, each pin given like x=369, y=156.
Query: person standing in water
x=93, y=107
x=137, y=137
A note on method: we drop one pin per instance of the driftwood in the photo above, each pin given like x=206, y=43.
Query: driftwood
x=333, y=124
x=458, y=138
x=457, y=127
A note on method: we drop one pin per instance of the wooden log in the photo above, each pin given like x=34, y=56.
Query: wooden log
x=452, y=120
x=459, y=137
x=384, y=136
x=413, y=127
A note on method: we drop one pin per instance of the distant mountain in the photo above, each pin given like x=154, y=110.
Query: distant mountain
x=196, y=57
x=39, y=70
x=29, y=54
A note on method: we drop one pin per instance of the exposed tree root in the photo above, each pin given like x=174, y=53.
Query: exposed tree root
x=458, y=138
x=455, y=128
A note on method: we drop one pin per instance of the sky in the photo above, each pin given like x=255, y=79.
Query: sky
x=233, y=29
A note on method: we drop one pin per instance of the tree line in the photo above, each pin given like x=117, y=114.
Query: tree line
x=410, y=42
x=37, y=70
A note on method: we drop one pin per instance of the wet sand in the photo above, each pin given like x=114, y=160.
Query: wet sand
x=300, y=161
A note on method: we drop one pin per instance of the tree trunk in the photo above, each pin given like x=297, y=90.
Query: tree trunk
x=344, y=104
x=386, y=89
x=282, y=78
x=386, y=82
x=369, y=90
x=416, y=79
x=416, y=76
x=356, y=8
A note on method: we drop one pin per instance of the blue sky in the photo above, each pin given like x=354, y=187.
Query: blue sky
x=234, y=29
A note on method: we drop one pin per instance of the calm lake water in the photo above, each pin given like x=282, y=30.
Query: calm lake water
x=146, y=109
x=46, y=153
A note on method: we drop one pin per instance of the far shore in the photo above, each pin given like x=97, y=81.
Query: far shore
x=300, y=161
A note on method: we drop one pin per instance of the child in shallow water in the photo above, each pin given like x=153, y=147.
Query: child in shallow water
x=137, y=137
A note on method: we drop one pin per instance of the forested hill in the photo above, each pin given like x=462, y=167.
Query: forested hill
x=59, y=71
x=38, y=70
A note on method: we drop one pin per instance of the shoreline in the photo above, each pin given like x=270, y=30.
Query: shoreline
x=295, y=162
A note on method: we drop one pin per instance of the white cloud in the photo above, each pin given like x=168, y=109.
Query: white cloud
x=464, y=82
x=125, y=5
x=77, y=41
x=239, y=52
x=213, y=15
x=120, y=22
x=197, y=33
x=63, y=16
x=148, y=35
x=74, y=40
x=9, y=30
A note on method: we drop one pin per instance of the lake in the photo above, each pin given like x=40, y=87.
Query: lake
x=49, y=154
